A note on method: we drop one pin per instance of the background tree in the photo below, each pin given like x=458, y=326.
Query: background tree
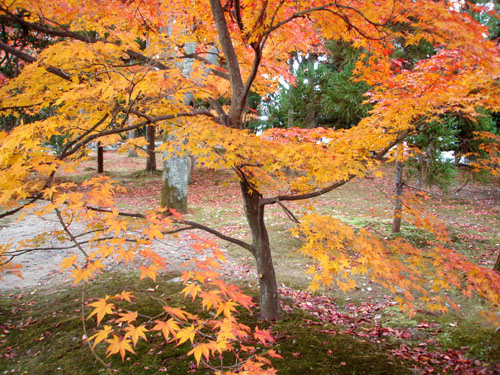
x=323, y=91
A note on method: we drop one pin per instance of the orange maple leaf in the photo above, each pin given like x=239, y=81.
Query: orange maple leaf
x=167, y=327
x=263, y=335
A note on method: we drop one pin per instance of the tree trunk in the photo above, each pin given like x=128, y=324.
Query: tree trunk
x=420, y=176
x=177, y=169
x=269, y=305
x=175, y=180
x=191, y=165
x=398, y=190
x=150, y=137
x=496, y=267
x=174, y=183
x=131, y=151
x=100, y=158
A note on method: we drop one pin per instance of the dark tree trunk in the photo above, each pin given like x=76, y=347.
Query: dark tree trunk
x=269, y=305
x=151, y=160
x=398, y=191
x=100, y=158
x=421, y=166
x=496, y=267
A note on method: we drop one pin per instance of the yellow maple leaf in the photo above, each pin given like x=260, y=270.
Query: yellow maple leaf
x=128, y=316
x=127, y=296
x=191, y=289
x=210, y=298
x=100, y=335
x=136, y=332
x=186, y=334
x=150, y=271
x=102, y=307
x=199, y=350
x=181, y=314
x=226, y=308
x=68, y=262
x=81, y=274
x=116, y=345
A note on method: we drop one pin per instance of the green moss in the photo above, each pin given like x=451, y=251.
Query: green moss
x=311, y=350
x=42, y=334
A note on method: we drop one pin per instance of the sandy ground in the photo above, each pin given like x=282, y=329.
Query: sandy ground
x=40, y=268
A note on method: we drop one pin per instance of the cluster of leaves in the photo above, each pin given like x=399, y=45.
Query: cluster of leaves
x=212, y=334
x=339, y=252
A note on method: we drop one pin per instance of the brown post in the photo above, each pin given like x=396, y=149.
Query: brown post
x=100, y=158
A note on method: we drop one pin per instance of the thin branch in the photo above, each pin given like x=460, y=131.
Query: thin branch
x=289, y=213
x=253, y=74
x=464, y=185
x=298, y=15
x=80, y=137
x=19, y=107
x=326, y=8
x=120, y=213
x=22, y=55
x=37, y=197
x=148, y=60
x=106, y=366
x=16, y=210
x=422, y=190
x=237, y=14
x=15, y=253
x=214, y=71
x=218, y=108
x=66, y=229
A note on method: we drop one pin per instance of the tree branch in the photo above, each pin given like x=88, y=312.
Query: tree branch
x=48, y=31
x=289, y=213
x=217, y=72
x=22, y=55
x=28, y=58
x=312, y=194
x=150, y=120
x=237, y=14
x=80, y=137
x=232, y=62
x=220, y=235
x=191, y=225
x=326, y=7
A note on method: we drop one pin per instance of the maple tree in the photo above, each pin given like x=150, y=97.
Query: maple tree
x=120, y=59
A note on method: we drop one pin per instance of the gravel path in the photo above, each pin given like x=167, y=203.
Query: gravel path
x=40, y=268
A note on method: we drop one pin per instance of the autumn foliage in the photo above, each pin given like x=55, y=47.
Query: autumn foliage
x=116, y=66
